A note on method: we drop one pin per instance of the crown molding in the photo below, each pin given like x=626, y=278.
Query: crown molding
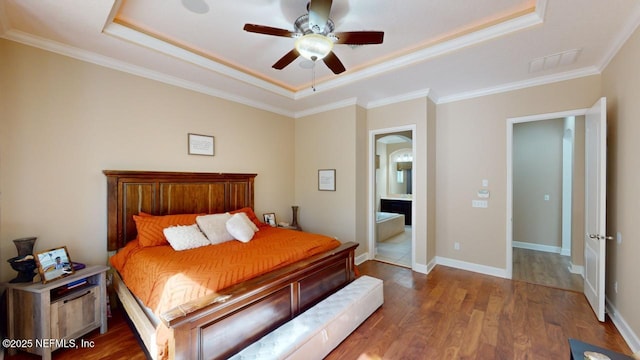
x=104, y=61
x=327, y=107
x=423, y=93
x=542, y=80
x=624, y=35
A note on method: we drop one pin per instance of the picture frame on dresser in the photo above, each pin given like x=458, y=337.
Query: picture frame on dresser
x=54, y=264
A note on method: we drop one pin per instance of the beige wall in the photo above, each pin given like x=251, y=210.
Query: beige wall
x=471, y=146
x=63, y=121
x=537, y=171
x=332, y=140
x=621, y=86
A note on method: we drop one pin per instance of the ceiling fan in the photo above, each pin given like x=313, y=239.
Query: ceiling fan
x=315, y=37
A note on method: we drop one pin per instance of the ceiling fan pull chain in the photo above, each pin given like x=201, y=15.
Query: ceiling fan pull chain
x=313, y=77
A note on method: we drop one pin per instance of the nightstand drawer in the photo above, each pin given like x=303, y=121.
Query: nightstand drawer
x=76, y=313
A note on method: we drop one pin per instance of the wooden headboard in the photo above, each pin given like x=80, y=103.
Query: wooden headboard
x=163, y=193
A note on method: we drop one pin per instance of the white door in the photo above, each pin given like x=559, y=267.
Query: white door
x=595, y=205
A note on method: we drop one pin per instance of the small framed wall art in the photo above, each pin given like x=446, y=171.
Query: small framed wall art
x=327, y=179
x=201, y=144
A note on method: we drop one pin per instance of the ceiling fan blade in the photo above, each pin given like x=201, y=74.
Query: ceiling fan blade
x=319, y=14
x=286, y=59
x=359, y=37
x=334, y=63
x=267, y=30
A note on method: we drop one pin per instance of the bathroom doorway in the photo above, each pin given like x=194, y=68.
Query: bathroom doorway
x=393, y=200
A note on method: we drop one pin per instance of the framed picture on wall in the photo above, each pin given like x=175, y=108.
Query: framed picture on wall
x=327, y=179
x=201, y=144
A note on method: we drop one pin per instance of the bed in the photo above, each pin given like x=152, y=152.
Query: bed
x=389, y=225
x=218, y=324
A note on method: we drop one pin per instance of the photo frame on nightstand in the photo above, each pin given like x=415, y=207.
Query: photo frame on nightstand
x=270, y=219
x=54, y=264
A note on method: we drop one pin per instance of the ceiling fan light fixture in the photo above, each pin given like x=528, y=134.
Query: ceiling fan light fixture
x=314, y=46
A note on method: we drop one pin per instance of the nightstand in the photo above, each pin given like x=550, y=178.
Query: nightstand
x=290, y=227
x=44, y=317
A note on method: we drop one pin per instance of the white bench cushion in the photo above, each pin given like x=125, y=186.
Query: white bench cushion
x=317, y=331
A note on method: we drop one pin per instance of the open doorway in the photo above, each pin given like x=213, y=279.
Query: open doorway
x=547, y=201
x=393, y=202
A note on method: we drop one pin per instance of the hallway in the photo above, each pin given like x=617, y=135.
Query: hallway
x=545, y=268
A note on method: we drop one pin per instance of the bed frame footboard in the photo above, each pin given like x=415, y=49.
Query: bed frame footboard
x=218, y=326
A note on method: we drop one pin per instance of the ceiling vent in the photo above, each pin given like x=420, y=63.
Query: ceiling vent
x=552, y=61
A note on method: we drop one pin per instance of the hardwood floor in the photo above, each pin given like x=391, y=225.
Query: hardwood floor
x=455, y=314
x=119, y=343
x=448, y=314
x=545, y=268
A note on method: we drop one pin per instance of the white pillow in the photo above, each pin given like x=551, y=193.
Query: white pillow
x=184, y=237
x=213, y=226
x=247, y=220
x=239, y=229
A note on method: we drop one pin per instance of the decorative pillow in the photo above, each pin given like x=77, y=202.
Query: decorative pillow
x=150, y=227
x=213, y=226
x=184, y=237
x=246, y=219
x=251, y=215
x=238, y=226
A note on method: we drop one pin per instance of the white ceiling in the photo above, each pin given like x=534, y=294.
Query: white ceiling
x=448, y=50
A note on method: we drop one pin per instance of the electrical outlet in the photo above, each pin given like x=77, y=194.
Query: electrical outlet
x=615, y=287
x=456, y=246
x=619, y=237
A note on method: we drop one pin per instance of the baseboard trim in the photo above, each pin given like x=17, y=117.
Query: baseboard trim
x=625, y=330
x=537, y=247
x=361, y=258
x=576, y=269
x=463, y=265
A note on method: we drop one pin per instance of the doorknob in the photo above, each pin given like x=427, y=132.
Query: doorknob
x=600, y=237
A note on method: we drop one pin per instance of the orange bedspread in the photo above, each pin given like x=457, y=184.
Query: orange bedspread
x=163, y=278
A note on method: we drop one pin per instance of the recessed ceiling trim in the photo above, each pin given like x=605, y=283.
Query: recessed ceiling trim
x=499, y=27
x=473, y=38
x=139, y=38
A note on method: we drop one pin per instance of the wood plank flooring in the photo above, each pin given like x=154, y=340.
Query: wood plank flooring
x=545, y=268
x=448, y=314
x=455, y=314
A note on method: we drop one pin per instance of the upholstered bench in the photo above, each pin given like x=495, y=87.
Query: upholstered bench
x=317, y=331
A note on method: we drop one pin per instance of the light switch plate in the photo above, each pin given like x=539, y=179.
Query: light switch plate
x=479, y=203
